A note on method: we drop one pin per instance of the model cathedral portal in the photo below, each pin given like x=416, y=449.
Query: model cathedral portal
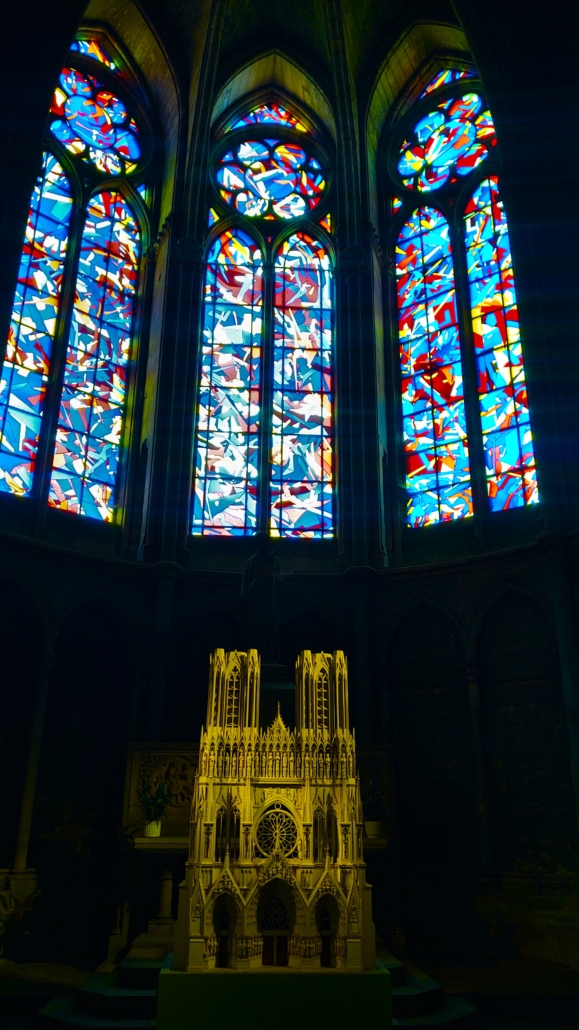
x=276, y=873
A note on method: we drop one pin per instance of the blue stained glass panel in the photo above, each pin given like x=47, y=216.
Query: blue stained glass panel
x=93, y=123
x=92, y=406
x=32, y=327
x=433, y=414
x=445, y=78
x=229, y=405
x=270, y=114
x=301, y=487
x=447, y=143
x=508, y=445
x=270, y=179
x=94, y=48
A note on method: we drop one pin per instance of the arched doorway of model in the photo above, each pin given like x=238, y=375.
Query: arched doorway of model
x=276, y=918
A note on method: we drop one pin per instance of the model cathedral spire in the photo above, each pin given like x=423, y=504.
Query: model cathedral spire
x=276, y=874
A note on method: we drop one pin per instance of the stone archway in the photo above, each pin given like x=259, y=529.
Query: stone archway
x=327, y=924
x=224, y=924
x=276, y=919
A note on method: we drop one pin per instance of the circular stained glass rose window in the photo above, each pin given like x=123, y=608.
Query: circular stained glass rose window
x=446, y=143
x=270, y=178
x=276, y=832
x=94, y=123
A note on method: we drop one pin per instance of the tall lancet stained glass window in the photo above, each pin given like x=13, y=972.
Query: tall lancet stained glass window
x=37, y=305
x=227, y=466
x=264, y=419
x=434, y=421
x=459, y=337
x=71, y=343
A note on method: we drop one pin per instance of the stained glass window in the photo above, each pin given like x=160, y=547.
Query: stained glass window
x=504, y=408
x=94, y=123
x=444, y=78
x=270, y=178
x=301, y=462
x=91, y=124
x=92, y=405
x=434, y=424
x=227, y=464
x=33, y=325
x=270, y=114
x=440, y=153
x=447, y=142
x=264, y=419
x=94, y=48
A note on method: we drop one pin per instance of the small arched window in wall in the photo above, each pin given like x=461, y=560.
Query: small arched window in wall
x=71, y=346
x=227, y=833
x=319, y=835
x=465, y=416
x=264, y=420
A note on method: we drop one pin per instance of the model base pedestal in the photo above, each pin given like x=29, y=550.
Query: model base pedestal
x=325, y=997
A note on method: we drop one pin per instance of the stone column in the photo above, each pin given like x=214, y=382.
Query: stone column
x=360, y=580
x=168, y=517
x=563, y=604
x=473, y=676
x=360, y=503
x=164, y=916
x=166, y=573
x=21, y=880
x=192, y=256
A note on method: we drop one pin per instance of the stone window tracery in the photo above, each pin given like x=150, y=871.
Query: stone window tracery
x=465, y=415
x=276, y=832
x=264, y=434
x=71, y=349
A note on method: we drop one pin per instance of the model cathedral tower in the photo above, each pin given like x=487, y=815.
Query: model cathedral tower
x=276, y=873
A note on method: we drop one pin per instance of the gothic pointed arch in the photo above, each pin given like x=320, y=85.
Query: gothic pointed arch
x=416, y=54
x=264, y=434
x=71, y=359
x=463, y=407
x=522, y=700
x=275, y=74
x=426, y=712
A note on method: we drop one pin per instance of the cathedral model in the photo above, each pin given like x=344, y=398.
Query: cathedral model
x=276, y=874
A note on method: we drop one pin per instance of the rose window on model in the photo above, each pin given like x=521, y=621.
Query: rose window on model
x=94, y=123
x=276, y=832
x=449, y=141
x=275, y=915
x=270, y=178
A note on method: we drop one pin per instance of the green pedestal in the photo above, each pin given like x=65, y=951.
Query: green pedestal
x=280, y=1000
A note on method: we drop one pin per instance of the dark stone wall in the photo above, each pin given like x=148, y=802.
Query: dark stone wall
x=461, y=639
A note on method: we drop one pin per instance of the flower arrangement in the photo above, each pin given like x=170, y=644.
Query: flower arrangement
x=154, y=802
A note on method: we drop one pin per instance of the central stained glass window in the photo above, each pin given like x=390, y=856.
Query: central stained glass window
x=264, y=418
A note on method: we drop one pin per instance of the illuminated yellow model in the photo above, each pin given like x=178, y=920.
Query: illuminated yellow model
x=276, y=874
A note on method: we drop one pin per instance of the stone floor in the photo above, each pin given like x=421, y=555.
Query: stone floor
x=517, y=995
x=512, y=996
x=489, y=1022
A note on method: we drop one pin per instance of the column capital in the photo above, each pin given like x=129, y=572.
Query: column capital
x=188, y=251
x=353, y=262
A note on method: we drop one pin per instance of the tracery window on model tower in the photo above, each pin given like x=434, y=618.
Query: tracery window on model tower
x=465, y=415
x=71, y=349
x=264, y=441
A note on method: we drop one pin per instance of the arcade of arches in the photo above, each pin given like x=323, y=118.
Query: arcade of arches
x=457, y=611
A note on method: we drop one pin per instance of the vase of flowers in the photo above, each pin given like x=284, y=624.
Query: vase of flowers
x=154, y=803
